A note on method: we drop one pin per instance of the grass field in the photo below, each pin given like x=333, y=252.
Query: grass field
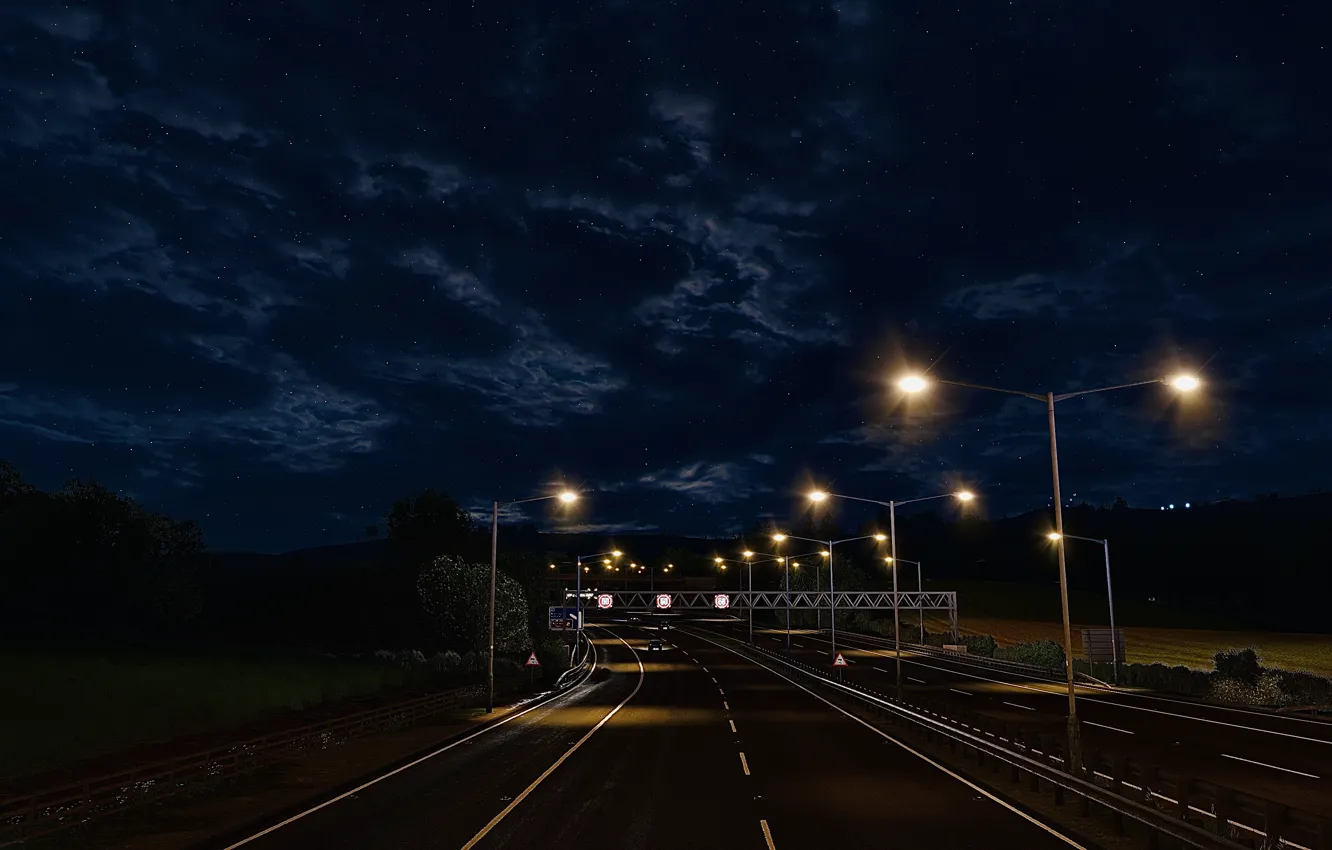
x=62, y=705
x=1014, y=613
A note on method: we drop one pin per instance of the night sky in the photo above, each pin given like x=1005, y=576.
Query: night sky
x=273, y=265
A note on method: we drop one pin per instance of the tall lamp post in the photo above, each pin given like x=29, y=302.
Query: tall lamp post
x=961, y=496
x=578, y=594
x=565, y=496
x=769, y=556
x=1109, y=593
x=920, y=587
x=832, y=587
x=1183, y=383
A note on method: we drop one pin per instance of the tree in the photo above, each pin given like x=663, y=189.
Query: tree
x=428, y=524
x=1120, y=504
x=456, y=595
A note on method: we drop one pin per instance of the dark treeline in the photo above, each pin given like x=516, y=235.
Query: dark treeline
x=83, y=562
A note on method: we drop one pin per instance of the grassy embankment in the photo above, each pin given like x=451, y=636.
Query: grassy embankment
x=63, y=705
x=1015, y=613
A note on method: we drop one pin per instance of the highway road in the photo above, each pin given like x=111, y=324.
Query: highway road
x=690, y=746
x=1280, y=757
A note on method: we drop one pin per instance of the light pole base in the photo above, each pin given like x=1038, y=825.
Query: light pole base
x=1074, y=745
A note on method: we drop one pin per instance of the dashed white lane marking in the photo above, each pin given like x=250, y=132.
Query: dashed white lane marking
x=732, y=725
x=1111, y=728
x=1274, y=767
x=767, y=835
x=1015, y=705
x=917, y=681
x=963, y=693
x=967, y=782
x=726, y=705
x=744, y=763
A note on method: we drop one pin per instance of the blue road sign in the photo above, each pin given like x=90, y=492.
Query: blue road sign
x=563, y=619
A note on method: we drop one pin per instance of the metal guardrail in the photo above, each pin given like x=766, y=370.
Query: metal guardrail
x=1198, y=813
x=60, y=807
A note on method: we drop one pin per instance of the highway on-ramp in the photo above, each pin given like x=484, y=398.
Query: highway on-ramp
x=688, y=746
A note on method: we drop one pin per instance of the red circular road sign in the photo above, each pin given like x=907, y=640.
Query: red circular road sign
x=605, y=600
x=721, y=600
x=663, y=600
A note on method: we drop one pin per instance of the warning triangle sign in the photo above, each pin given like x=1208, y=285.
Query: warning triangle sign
x=532, y=661
x=839, y=661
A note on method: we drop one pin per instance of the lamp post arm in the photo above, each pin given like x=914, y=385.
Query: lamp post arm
x=1076, y=393
x=1036, y=396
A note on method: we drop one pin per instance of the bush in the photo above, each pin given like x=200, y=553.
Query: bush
x=1304, y=688
x=1242, y=665
x=1266, y=691
x=1038, y=653
x=469, y=663
x=982, y=645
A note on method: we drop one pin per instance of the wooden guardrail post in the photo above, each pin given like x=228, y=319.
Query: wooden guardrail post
x=1118, y=768
x=1274, y=822
x=1184, y=788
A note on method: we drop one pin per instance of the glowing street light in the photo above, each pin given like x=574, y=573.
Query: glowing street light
x=1183, y=383
x=565, y=496
x=960, y=495
x=1055, y=536
x=832, y=585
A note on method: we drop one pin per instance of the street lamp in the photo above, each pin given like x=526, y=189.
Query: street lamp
x=1182, y=383
x=920, y=587
x=578, y=592
x=832, y=586
x=960, y=495
x=565, y=496
x=1109, y=593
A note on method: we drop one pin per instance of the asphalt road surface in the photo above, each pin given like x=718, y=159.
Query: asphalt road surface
x=689, y=746
x=1279, y=757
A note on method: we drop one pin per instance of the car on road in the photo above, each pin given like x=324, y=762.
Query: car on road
x=664, y=626
x=655, y=643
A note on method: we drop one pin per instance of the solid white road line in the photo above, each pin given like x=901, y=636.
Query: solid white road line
x=1274, y=767
x=359, y=788
x=743, y=763
x=1015, y=705
x=767, y=835
x=967, y=782
x=485, y=830
x=1111, y=728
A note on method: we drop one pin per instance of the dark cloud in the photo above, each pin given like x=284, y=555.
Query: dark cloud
x=274, y=265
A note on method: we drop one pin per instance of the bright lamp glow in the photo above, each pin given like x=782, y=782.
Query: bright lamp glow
x=617, y=553
x=779, y=537
x=965, y=496
x=888, y=559
x=911, y=384
x=826, y=554
x=568, y=496
x=747, y=553
x=880, y=537
x=606, y=561
x=817, y=496
x=1184, y=383
x=718, y=560
x=1054, y=535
